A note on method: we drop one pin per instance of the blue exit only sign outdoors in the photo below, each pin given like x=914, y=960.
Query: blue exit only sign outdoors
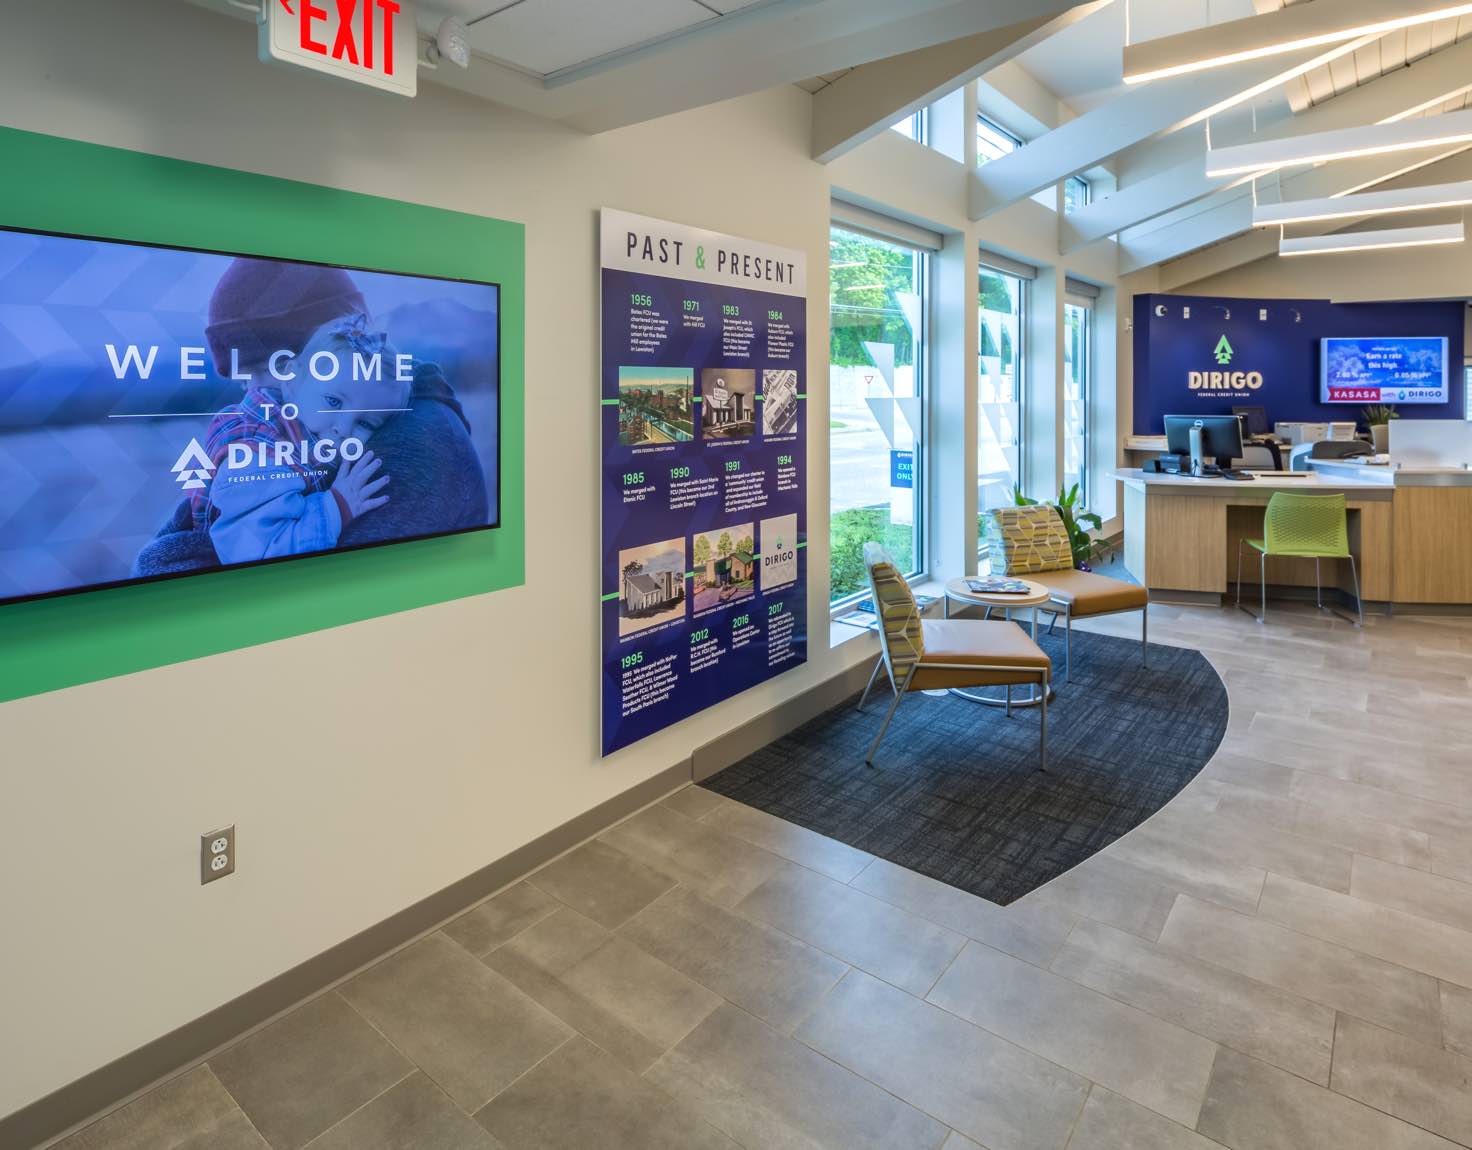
x=371, y=42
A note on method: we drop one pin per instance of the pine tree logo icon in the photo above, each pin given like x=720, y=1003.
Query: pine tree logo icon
x=193, y=468
x=1224, y=352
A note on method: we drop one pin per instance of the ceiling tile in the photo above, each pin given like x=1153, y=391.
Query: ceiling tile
x=546, y=36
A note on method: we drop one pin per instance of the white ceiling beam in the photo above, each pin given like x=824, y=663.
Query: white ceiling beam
x=764, y=47
x=1127, y=120
x=750, y=50
x=1136, y=203
x=1392, y=96
x=861, y=104
x=1293, y=29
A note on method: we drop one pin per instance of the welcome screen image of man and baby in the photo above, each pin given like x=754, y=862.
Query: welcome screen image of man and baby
x=165, y=411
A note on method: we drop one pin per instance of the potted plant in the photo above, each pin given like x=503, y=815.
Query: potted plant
x=1377, y=419
x=1086, y=549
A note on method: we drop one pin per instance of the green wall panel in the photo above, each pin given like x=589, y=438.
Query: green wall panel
x=91, y=190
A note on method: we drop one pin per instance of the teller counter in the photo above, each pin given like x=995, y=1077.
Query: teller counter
x=1409, y=530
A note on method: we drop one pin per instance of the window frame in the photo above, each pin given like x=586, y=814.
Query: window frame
x=989, y=125
x=1019, y=351
x=1086, y=394
x=919, y=129
x=924, y=277
x=1088, y=193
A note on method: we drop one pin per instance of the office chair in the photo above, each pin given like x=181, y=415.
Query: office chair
x=1340, y=449
x=1302, y=527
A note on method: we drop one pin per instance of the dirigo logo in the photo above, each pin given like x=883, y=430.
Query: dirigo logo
x=1224, y=380
x=193, y=468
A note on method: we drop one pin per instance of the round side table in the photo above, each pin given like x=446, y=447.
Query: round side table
x=1037, y=595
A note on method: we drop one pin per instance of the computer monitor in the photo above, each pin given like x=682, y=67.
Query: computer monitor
x=1256, y=418
x=1221, y=437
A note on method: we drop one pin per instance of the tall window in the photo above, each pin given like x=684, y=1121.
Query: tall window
x=993, y=141
x=1075, y=194
x=1078, y=370
x=999, y=387
x=876, y=378
x=1467, y=389
x=916, y=126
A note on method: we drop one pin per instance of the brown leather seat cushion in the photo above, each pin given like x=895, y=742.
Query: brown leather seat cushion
x=978, y=642
x=1090, y=594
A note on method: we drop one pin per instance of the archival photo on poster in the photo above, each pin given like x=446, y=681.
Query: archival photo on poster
x=704, y=585
x=168, y=411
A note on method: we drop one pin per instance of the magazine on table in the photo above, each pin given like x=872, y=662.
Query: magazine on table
x=997, y=585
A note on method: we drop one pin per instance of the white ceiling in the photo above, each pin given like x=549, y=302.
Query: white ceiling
x=1083, y=65
x=546, y=37
x=1393, y=50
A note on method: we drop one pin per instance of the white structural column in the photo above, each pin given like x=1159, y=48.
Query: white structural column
x=1121, y=123
x=863, y=103
x=951, y=478
x=1043, y=381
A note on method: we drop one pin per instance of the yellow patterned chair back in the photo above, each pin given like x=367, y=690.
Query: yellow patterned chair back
x=1027, y=540
x=899, y=618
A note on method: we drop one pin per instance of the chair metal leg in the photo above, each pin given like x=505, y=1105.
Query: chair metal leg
x=1262, y=576
x=1145, y=636
x=1240, y=542
x=1358, y=602
x=894, y=706
x=1318, y=586
x=1043, y=726
x=864, y=698
x=1009, y=700
x=1068, y=646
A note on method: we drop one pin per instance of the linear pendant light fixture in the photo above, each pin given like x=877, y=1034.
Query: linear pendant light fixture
x=1289, y=29
x=1341, y=144
x=1426, y=198
x=1373, y=241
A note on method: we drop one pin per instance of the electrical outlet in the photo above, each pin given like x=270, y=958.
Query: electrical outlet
x=216, y=855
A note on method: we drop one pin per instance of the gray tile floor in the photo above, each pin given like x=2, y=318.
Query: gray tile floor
x=1279, y=960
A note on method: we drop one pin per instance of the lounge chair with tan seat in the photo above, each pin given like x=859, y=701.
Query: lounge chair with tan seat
x=1031, y=542
x=930, y=654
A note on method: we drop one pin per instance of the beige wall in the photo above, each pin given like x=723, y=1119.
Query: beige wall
x=369, y=766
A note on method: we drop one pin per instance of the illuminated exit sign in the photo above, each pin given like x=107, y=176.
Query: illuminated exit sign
x=371, y=42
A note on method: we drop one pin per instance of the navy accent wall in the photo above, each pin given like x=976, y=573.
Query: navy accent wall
x=1283, y=347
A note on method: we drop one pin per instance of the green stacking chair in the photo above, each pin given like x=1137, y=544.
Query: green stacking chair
x=1302, y=527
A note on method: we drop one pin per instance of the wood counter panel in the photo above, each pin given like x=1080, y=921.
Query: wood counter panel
x=1186, y=540
x=1433, y=545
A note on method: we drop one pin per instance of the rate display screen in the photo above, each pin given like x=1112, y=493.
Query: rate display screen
x=1385, y=370
x=169, y=411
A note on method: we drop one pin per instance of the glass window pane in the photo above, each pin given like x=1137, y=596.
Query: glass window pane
x=875, y=383
x=911, y=126
x=1075, y=194
x=1077, y=369
x=999, y=388
x=993, y=141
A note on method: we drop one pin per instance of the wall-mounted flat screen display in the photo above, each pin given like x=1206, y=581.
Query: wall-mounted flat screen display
x=1383, y=370
x=169, y=411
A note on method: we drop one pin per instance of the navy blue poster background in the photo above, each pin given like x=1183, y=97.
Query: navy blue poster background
x=704, y=579
x=1274, y=343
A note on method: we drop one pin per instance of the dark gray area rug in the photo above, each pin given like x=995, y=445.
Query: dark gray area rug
x=955, y=792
